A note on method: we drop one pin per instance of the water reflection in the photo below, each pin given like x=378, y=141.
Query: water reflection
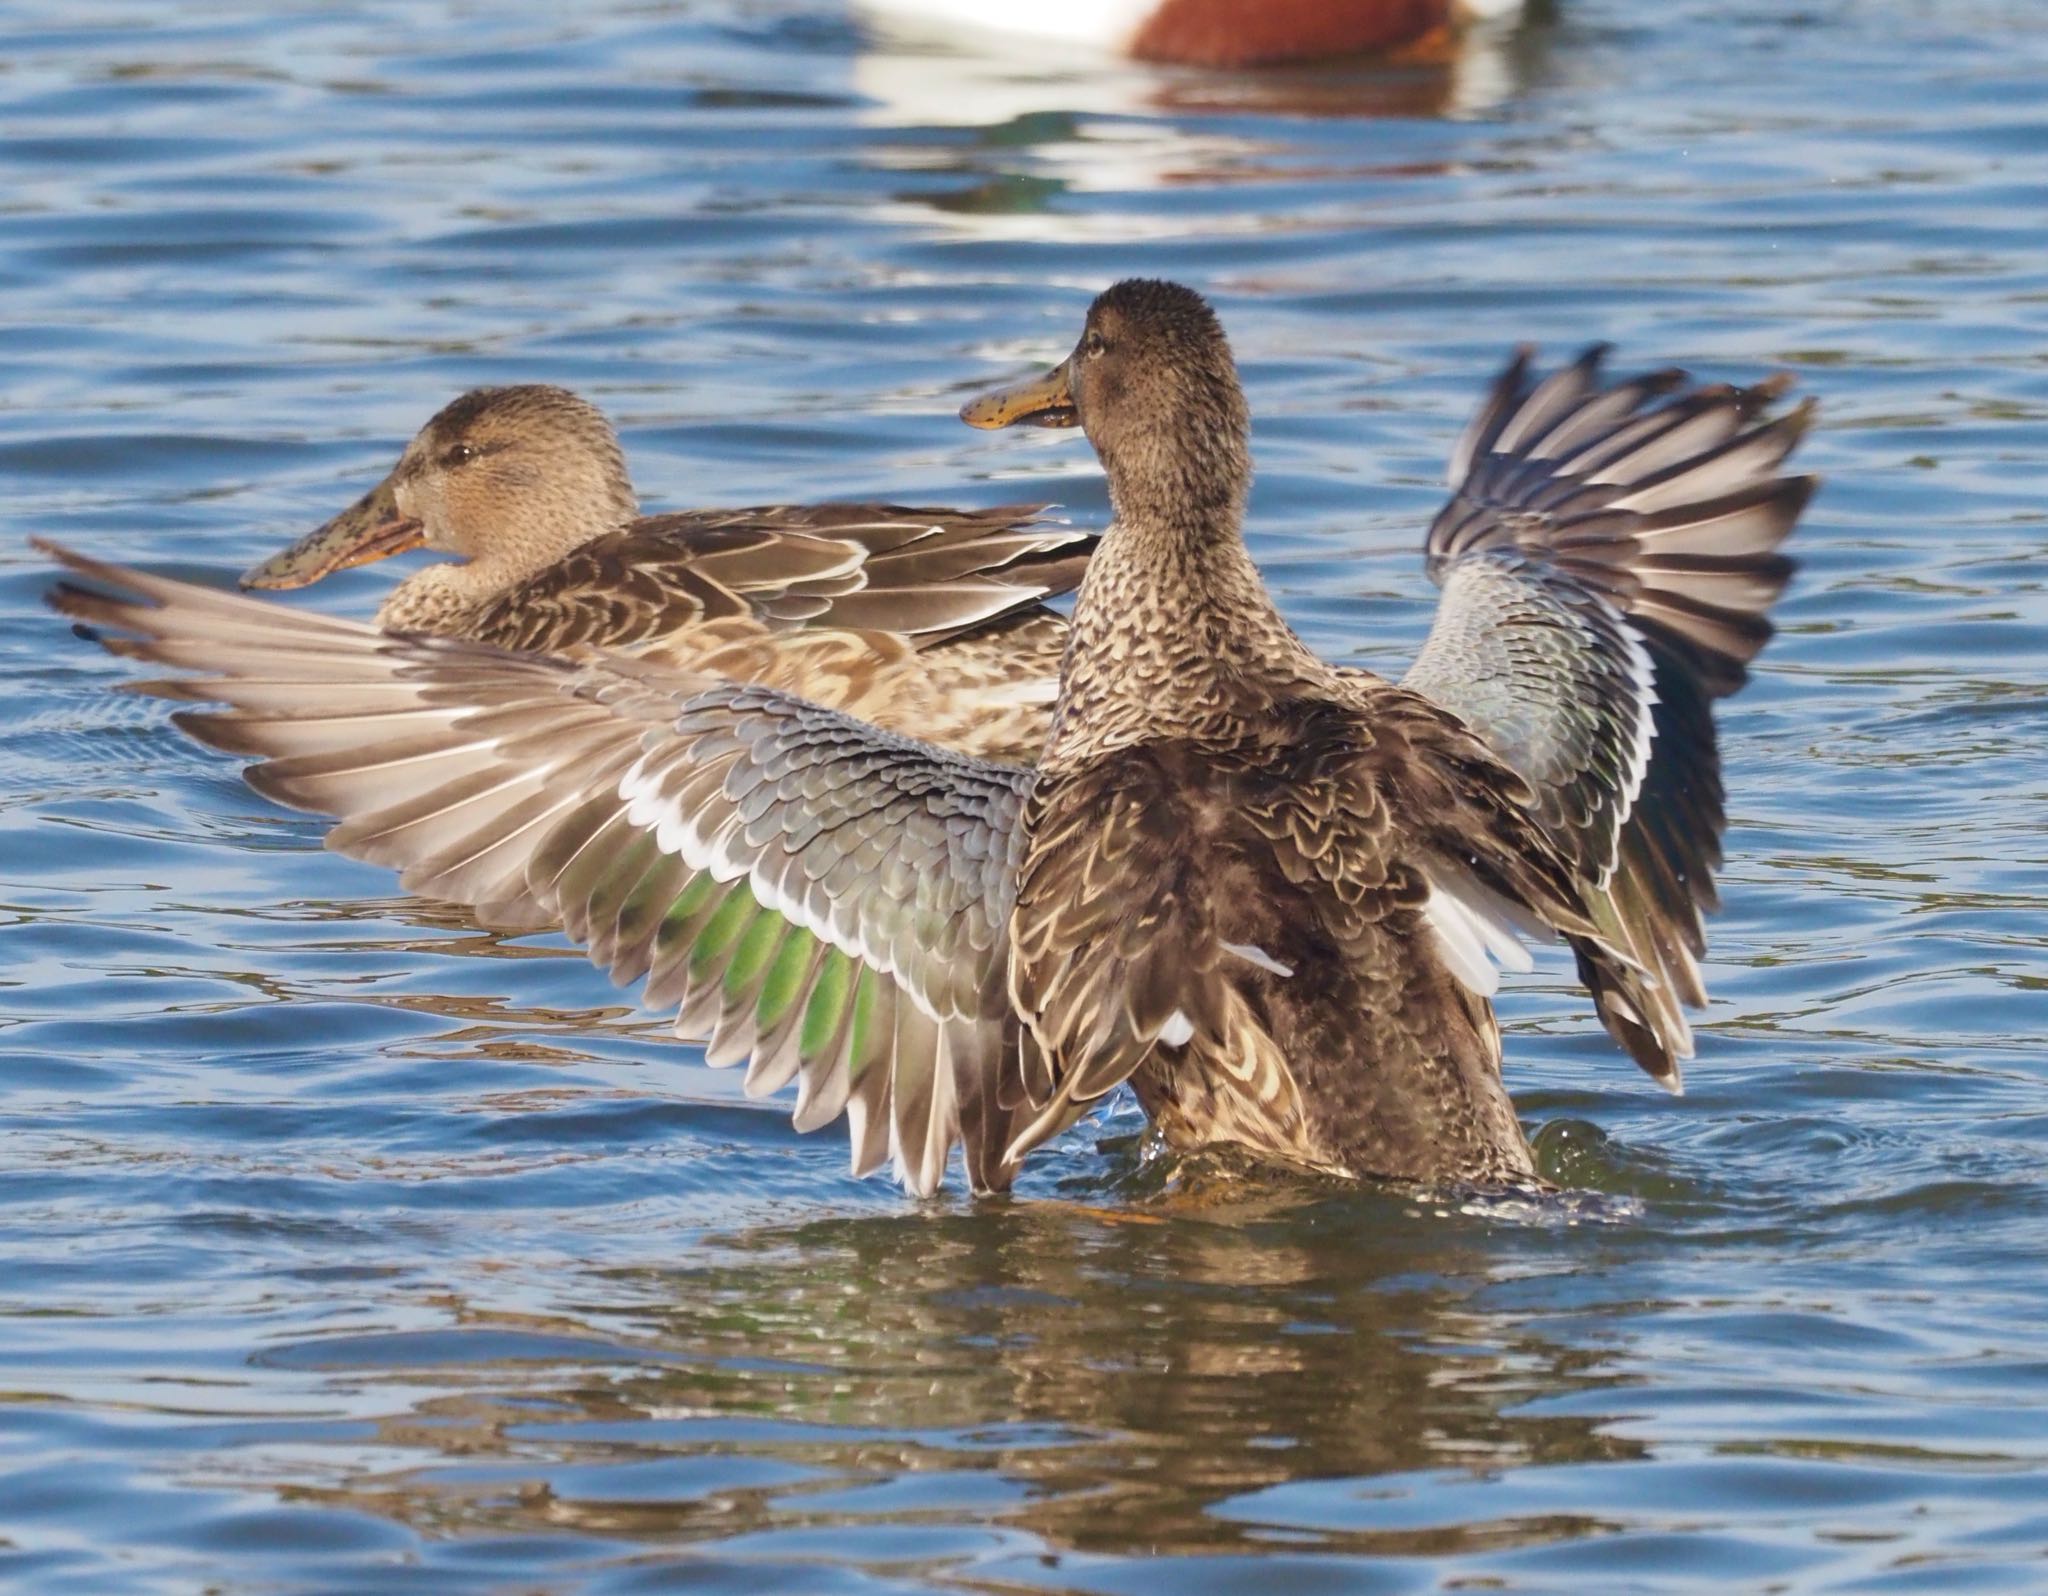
x=922, y=74
x=1107, y=1382
x=1043, y=126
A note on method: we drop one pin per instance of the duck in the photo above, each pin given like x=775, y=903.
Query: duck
x=1221, y=33
x=1273, y=894
x=927, y=620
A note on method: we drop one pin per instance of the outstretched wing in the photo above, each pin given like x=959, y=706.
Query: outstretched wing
x=1608, y=561
x=926, y=573
x=820, y=897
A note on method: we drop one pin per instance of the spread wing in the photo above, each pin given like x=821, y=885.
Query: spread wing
x=822, y=898
x=1608, y=560
x=928, y=574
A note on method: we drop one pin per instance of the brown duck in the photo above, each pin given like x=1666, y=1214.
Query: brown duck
x=1269, y=892
x=923, y=620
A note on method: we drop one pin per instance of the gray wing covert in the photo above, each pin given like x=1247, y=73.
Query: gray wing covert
x=1608, y=560
x=822, y=898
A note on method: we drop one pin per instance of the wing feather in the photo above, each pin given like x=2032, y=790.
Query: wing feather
x=924, y=572
x=820, y=898
x=1608, y=561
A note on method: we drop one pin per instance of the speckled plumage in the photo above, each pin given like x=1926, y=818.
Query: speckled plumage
x=1154, y=869
x=921, y=619
x=1269, y=892
x=1211, y=785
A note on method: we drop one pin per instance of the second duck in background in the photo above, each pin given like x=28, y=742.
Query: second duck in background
x=928, y=621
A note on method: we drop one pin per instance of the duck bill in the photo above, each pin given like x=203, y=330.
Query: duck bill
x=370, y=529
x=1046, y=401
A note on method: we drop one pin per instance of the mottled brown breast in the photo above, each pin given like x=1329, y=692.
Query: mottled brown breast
x=1235, y=927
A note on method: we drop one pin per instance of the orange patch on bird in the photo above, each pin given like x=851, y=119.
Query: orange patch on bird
x=1233, y=33
x=1438, y=47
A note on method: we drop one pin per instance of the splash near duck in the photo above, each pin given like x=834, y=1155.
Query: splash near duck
x=1271, y=893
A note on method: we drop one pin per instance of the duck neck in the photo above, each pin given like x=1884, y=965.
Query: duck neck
x=1174, y=634
x=442, y=597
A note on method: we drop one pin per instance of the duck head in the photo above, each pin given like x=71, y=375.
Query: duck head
x=503, y=477
x=1153, y=386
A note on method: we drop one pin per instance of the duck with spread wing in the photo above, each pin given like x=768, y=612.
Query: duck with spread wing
x=1270, y=893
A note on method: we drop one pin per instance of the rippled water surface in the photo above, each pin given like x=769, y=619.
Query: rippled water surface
x=345, y=1248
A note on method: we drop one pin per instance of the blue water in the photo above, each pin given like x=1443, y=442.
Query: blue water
x=344, y=1248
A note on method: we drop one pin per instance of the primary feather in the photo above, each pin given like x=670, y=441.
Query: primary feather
x=1608, y=561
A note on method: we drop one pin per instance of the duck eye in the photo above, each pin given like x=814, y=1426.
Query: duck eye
x=1095, y=344
x=458, y=454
